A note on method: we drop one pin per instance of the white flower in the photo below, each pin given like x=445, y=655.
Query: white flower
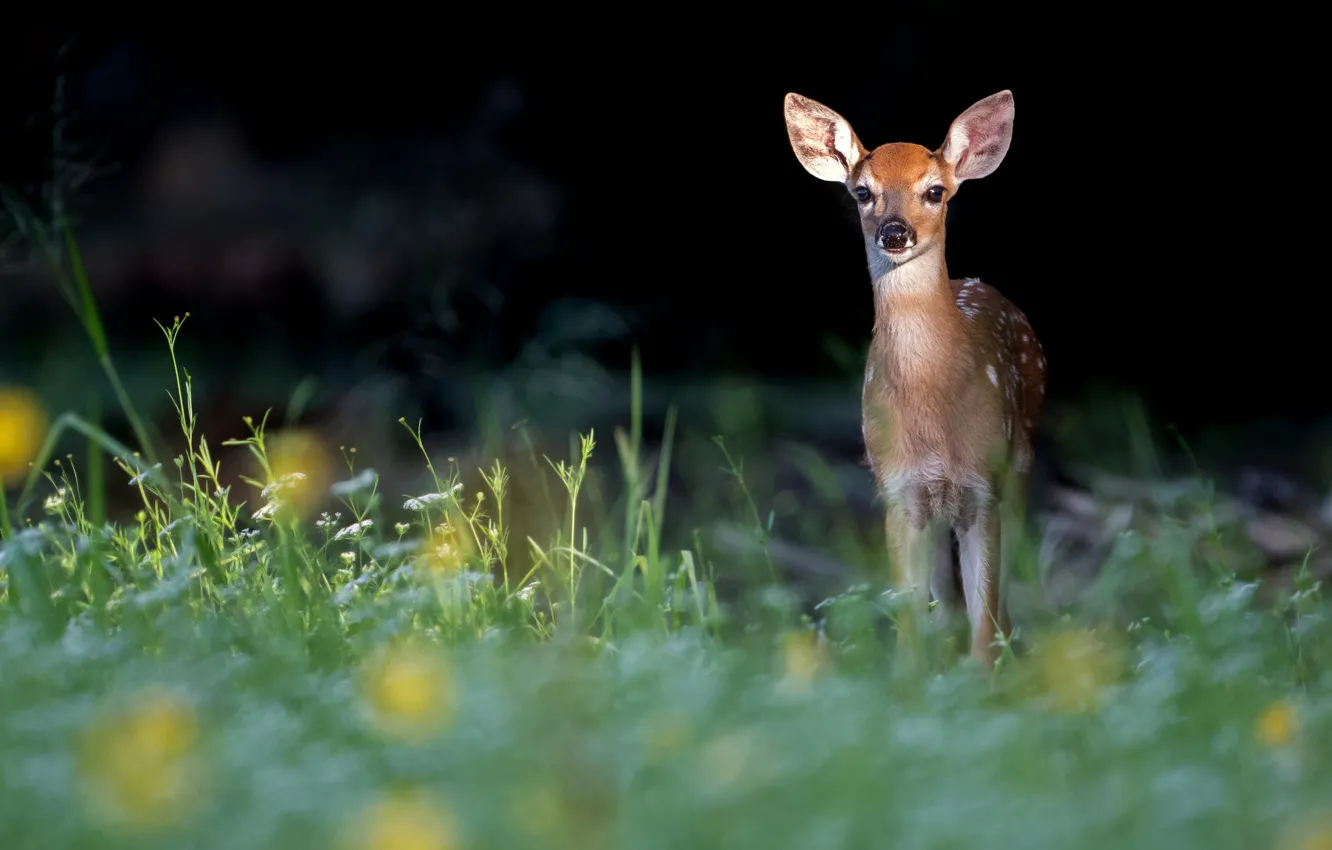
x=420, y=503
x=286, y=481
x=356, y=529
x=364, y=480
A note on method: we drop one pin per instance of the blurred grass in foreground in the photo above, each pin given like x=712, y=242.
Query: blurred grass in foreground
x=246, y=670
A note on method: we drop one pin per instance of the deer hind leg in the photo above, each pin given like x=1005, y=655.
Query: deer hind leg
x=946, y=585
x=945, y=580
x=1014, y=534
x=980, y=553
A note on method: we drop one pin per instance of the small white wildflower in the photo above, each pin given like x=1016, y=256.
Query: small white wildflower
x=348, y=557
x=363, y=480
x=143, y=476
x=422, y=502
x=356, y=529
x=283, y=483
x=265, y=512
x=402, y=527
x=54, y=501
x=528, y=592
x=138, y=479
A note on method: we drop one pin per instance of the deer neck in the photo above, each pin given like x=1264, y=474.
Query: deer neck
x=920, y=337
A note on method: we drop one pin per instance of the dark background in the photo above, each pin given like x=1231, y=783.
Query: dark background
x=1146, y=218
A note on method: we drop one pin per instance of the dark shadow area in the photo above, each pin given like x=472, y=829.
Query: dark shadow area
x=375, y=224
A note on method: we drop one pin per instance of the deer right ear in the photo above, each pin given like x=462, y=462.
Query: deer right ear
x=823, y=141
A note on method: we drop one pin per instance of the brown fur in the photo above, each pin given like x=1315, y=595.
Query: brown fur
x=896, y=168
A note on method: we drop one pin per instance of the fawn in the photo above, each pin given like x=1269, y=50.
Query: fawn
x=955, y=378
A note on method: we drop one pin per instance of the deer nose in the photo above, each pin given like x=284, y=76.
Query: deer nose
x=895, y=234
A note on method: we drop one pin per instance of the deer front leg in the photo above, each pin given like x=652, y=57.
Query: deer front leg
x=914, y=544
x=980, y=557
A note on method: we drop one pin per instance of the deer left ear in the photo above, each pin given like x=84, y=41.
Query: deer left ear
x=979, y=138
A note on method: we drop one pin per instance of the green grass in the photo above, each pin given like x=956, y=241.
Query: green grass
x=265, y=663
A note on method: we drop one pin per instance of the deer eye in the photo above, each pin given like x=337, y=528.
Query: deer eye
x=862, y=194
x=934, y=194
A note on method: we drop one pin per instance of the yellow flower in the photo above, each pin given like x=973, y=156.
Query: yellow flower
x=301, y=472
x=1312, y=834
x=137, y=763
x=22, y=429
x=447, y=549
x=540, y=812
x=731, y=760
x=577, y=811
x=665, y=735
x=405, y=820
x=1278, y=725
x=1075, y=666
x=803, y=659
x=409, y=690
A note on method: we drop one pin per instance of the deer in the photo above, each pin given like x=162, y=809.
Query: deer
x=954, y=383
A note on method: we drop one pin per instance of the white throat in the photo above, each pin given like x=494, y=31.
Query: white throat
x=920, y=273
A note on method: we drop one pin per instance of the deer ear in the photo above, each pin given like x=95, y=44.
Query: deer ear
x=979, y=138
x=823, y=141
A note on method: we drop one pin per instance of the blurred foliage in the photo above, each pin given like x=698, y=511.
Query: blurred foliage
x=296, y=658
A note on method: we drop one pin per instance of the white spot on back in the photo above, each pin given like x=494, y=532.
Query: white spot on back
x=993, y=375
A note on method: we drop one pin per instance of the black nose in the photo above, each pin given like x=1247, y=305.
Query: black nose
x=894, y=234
